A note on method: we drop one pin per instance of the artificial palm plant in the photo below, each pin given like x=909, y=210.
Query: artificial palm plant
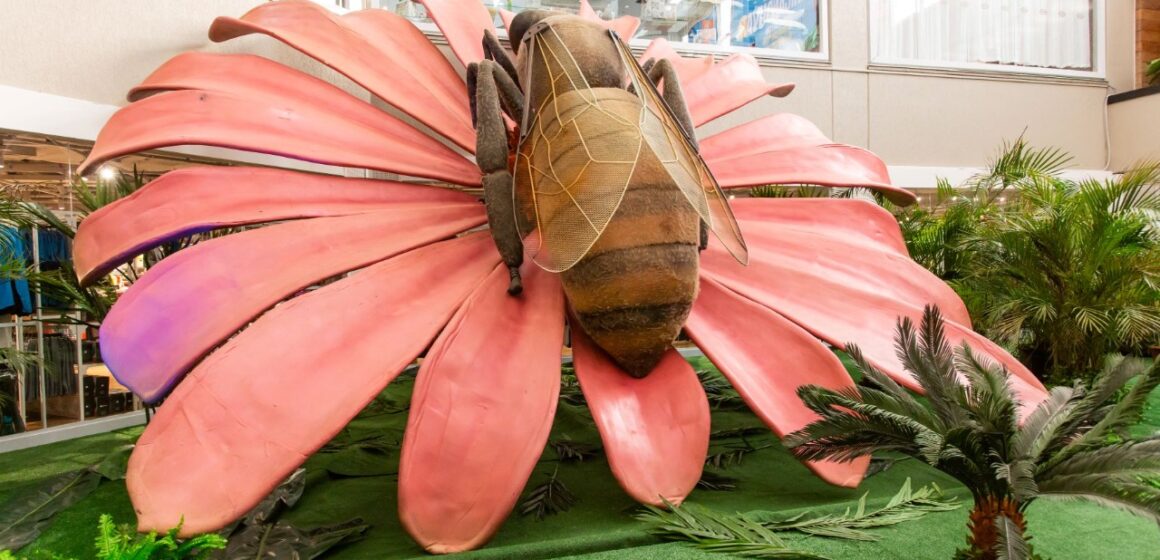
x=937, y=235
x=1070, y=272
x=972, y=427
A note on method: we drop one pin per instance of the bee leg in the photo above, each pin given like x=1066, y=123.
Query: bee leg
x=492, y=88
x=663, y=70
x=675, y=98
x=493, y=50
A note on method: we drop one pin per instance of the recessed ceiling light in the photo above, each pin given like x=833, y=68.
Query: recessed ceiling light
x=107, y=173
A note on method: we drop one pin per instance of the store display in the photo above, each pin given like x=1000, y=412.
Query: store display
x=255, y=403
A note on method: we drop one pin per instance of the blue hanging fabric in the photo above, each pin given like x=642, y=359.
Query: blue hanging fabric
x=55, y=249
x=15, y=296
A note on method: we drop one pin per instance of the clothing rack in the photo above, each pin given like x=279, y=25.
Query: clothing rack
x=60, y=355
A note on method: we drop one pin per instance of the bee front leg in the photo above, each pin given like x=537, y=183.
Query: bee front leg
x=662, y=69
x=493, y=90
x=493, y=50
x=675, y=98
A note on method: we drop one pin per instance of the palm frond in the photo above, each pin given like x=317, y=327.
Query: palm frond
x=1010, y=545
x=569, y=451
x=906, y=505
x=1124, y=413
x=1043, y=425
x=716, y=532
x=548, y=498
x=716, y=482
x=925, y=353
x=849, y=428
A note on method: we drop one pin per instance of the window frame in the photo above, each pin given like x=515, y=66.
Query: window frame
x=1099, y=54
x=697, y=49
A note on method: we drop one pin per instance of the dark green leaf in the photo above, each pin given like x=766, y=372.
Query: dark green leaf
x=114, y=465
x=29, y=512
x=282, y=498
x=715, y=482
x=285, y=541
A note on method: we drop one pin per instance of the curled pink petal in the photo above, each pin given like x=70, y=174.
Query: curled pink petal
x=849, y=295
x=785, y=149
x=780, y=131
x=376, y=49
x=197, y=199
x=655, y=430
x=293, y=127
x=727, y=86
x=831, y=165
x=462, y=24
x=192, y=301
x=271, y=396
x=766, y=358
x=481, y=412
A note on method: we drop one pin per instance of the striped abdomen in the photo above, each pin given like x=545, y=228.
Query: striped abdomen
x=633, y=290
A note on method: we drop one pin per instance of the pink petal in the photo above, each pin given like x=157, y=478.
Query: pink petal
x=655, y=430
x=197, y=199
x=854, y=221
x=507, y=18
x=688, y=68
x=258, y=79
x=767, y=358
x=847, y=295
x=832, y=165
x=481, y=412
x=299, y=128
x=192, y=301
x=847, y=259
x=625, y=26
x=377, y=49
x=787, y=149
x=462, y=24
x=779, y=131
x=726, y=87
x=586, y=10
x=271, y=396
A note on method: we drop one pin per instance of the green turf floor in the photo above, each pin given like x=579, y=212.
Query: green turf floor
x=357, y=483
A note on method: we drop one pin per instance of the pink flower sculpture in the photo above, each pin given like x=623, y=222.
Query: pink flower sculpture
x=262, y=377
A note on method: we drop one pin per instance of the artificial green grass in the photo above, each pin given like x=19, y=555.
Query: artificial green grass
x=601, y=524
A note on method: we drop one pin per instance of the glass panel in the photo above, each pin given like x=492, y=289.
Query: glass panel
x=1028, y=33
x=784, y=25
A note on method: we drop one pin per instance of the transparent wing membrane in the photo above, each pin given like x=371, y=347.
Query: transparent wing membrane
x=664, y=135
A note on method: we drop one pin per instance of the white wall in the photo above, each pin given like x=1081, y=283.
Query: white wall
x=96, y=50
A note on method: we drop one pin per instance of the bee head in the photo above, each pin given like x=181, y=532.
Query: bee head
x=568, y=40
x=522, y=22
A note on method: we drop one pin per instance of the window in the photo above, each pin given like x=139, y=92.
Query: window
x=1035, y=36
x=780, y=28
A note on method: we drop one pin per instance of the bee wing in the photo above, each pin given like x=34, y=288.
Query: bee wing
x=672, y=146
x=577, y=152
